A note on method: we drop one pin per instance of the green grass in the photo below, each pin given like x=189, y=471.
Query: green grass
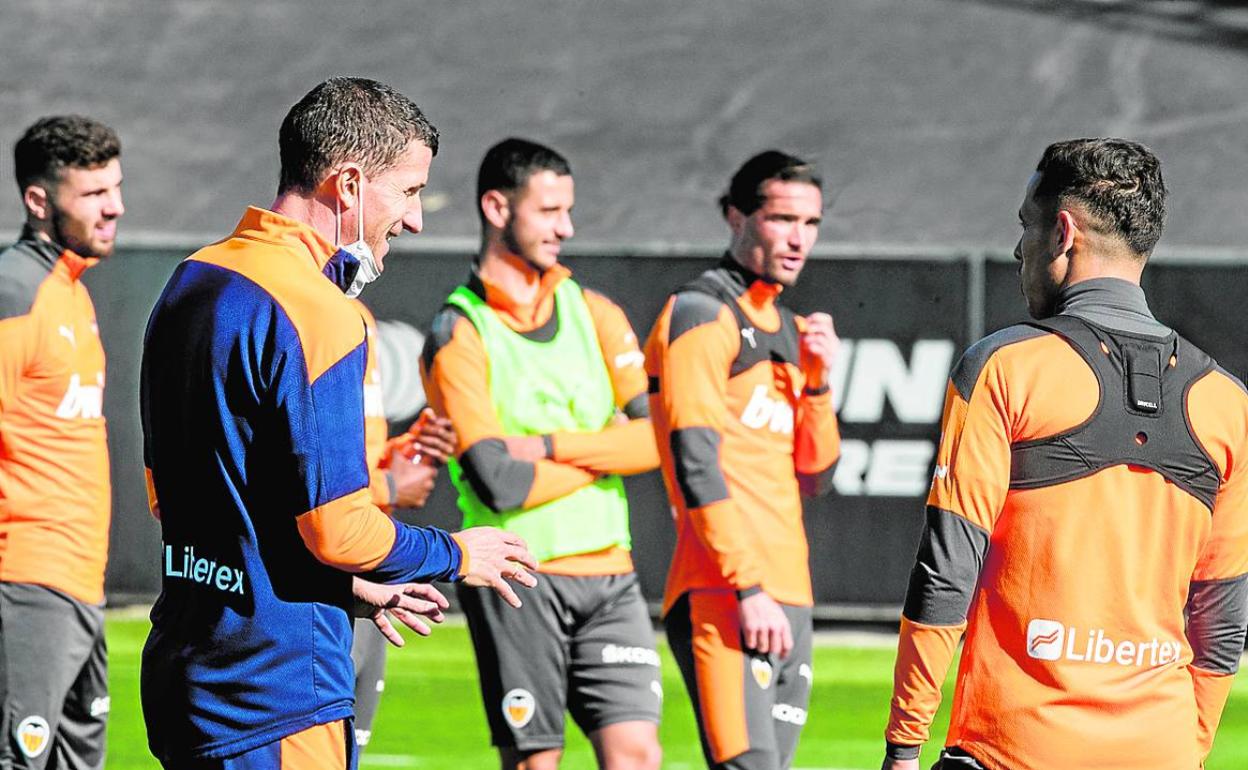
x=431, y=715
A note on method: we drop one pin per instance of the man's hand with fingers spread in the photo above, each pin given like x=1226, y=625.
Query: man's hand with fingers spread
x=492, y=557
x=408, y=602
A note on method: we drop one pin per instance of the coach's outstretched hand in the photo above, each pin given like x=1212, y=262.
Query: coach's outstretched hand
x=494, y=557
x=408, y=602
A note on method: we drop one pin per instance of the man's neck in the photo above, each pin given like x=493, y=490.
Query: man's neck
x=308, y=210
x=40, y=230
x=510, y=273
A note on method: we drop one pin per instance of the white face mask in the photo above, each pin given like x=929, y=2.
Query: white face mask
x=368, y=271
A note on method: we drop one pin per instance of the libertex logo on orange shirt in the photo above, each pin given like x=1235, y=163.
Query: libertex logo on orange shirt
x=1053, y=640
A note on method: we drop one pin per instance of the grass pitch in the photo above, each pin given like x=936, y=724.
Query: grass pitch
x=431, y=715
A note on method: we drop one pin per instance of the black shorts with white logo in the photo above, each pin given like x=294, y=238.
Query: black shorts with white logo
x=580, y=644
x=750, y=707
x=55, y=687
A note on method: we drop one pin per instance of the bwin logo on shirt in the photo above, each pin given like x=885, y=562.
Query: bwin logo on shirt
x=765, y=411
x=82, y=401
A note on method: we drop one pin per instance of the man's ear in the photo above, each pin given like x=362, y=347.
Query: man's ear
x=736, y=219
x=38, y=202
x=1064, y=232
x=496, y=208
x=344, y=185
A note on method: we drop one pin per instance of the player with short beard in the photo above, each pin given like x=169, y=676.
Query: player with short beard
x=54, y=475
x=741, y=396
x=543, y=382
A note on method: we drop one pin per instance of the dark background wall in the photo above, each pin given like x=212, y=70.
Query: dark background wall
x=904, y=319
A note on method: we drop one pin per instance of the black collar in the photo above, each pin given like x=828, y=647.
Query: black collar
x=1112, y=303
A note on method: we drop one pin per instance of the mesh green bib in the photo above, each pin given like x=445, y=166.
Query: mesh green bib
x=539, y=388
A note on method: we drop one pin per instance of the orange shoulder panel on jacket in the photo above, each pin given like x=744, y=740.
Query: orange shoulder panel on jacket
x=329, y=327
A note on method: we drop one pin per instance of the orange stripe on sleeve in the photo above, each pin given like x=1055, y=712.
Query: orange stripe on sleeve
x=350, y=533
x=153, y=504
x=817, y=439
x=625, y=449
x=1212, y=692
x=719, y=527
x=552, y=480
x=1219, y=417
x=924, y=654
x=457, y=385
x=620, y=349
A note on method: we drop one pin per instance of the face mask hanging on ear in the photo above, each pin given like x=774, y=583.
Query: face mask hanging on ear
x=358, y=252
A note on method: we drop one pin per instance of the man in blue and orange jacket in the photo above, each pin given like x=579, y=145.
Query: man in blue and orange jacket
x=253, y=416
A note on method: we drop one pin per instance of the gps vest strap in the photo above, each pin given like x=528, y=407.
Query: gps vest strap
x=1140, y=418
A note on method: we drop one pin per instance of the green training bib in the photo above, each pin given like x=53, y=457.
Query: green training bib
x=544, y=387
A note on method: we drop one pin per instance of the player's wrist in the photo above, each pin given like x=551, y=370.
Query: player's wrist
x=900, y=751
x=548, y=444
x=745, y=593
x=464, y=560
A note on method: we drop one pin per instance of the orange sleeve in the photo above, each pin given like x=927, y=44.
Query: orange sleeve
x=817, y=439
x=18, y=342
x=625, y=362
x=923, y=657
x=1212, y=691
x=348, y=533
x=703, y=341
x=1217, y=604
x=625, y=448
x=971, y=481
x=456, y=378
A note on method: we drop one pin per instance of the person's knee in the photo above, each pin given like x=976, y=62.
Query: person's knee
x=632, y=746
x=644, y=756
x=543, y=759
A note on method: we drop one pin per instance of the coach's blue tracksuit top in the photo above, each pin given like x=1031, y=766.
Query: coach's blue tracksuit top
x=253, y=423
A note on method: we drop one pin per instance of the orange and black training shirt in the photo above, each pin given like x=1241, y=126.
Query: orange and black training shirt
x=740, y=436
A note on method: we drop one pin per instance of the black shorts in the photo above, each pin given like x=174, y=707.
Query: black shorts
x=750, y=707
x=581, y=644
x=55, y=678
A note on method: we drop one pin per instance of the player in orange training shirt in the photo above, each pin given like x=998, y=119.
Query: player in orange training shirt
x=742, y=411
x=1087, y=526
